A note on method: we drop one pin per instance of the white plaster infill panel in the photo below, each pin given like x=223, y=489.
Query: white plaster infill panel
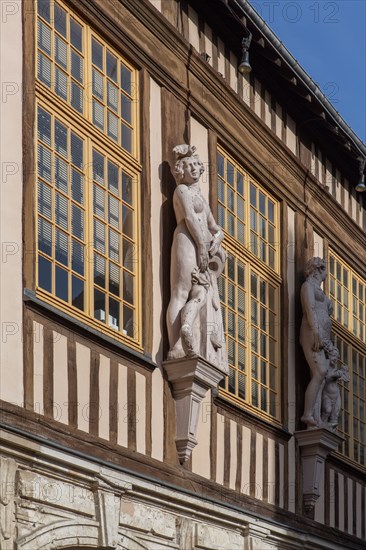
x=279, y=121
x=199, y=136
x=38, y=368
x=318, y=245
x=259, y=466
x=193, y=30
x=291, y=348
x=156, y=215
x=157, y=411
x=60, y=378
x=341, y=503
x=234, y=72
x=220, y=456
x=233, y=454
x=157, y=4
x=257, y=97
x=104, y=375
x=221, y=57
x=140, y=413
x=245, y=461
x=11, y=199
x=291, y=134
x=208, y=43
x=201, y=453
x=270, y=458
x=83, y=385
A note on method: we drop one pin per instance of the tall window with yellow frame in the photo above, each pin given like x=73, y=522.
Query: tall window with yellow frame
x=250, y=288
x=88, y=174
x=348, y=293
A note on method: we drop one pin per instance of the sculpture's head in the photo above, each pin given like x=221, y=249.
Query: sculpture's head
x=333, y=354
x=316, y=267
x=188, y=167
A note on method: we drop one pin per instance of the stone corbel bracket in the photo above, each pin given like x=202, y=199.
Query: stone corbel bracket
x=315, y=445
x=191, y=378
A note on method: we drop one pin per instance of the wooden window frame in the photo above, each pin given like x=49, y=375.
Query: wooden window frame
x=344, y=332
x=82, y=125
x=272, y=277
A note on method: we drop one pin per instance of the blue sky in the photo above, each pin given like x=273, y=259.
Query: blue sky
x=329, y=41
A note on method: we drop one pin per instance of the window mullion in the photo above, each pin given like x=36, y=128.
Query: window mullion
x=53, y=212
x=88, y=75
x=248, y=335
x=351, y=405
x=89, y=249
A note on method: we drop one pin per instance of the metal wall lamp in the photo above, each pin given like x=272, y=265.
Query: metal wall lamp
x=244, y=67
x=361, y=186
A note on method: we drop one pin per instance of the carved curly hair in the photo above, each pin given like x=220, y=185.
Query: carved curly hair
x=312, y=265
x=182, y=153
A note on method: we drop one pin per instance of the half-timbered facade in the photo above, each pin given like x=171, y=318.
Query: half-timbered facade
x=95, y=95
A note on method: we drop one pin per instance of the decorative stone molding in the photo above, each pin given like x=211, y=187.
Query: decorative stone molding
x=101, y=502
x=108, y=506
x=315, y=445
x=256, y=536
x=62, y=534
x=191, y=378
x=207, y=537
x=152, y=515
x=8, y=468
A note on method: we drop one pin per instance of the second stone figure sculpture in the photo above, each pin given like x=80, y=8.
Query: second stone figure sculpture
x=322, y=396
x=194, y=318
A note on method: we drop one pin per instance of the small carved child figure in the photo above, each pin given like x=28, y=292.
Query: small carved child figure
x=331, y=395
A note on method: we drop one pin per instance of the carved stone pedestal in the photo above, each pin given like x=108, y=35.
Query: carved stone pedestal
x=315, y=445
x=191, y=378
